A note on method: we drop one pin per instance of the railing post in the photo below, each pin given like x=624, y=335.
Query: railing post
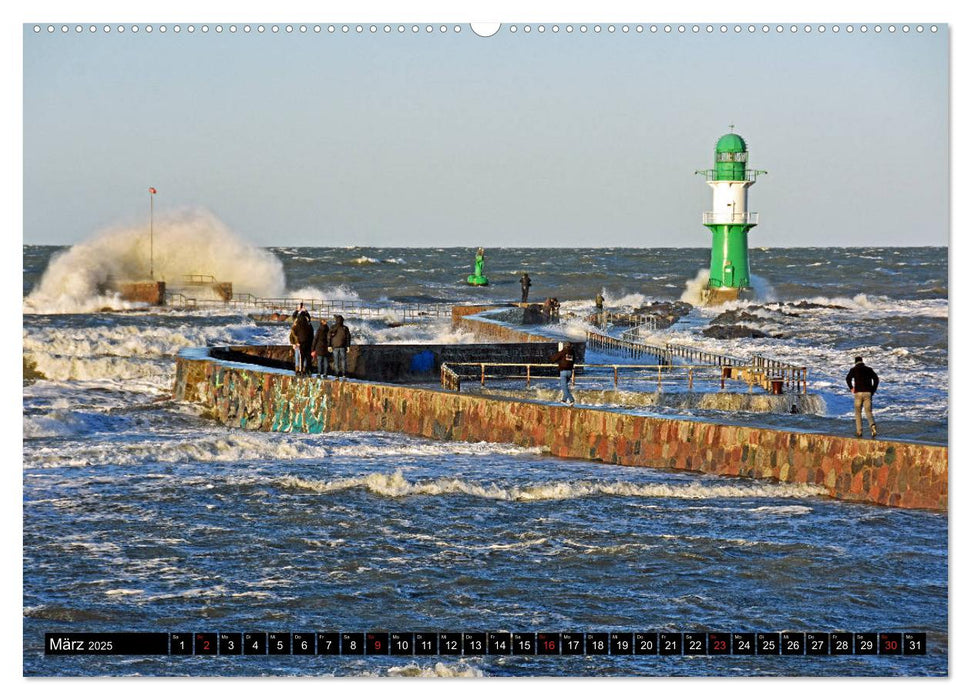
x=527, y=375
x=482, y=367
x=615, y=377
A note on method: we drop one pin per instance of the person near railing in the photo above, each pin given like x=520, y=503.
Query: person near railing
x=564, y=361
x=863, y=382
x=301, y=338
x=525, y=283
x=340, y=340
x=318, y=351
x=301, y=311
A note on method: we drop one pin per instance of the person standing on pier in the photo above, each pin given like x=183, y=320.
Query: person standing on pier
x=525, y=283
x=301, y=311
x=564, y=361
x=301, y=338
x=318, y=351
x=863, y=382
x=340, y=340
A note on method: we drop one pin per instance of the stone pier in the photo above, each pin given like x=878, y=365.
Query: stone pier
x=254, y=397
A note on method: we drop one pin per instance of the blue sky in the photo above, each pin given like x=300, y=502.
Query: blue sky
x=553, y=139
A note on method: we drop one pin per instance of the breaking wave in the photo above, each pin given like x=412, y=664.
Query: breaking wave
x=694, y=287
x=338, y=293
x=230, y=448
x=190, y=242
x=397, y=486
x=116, y=352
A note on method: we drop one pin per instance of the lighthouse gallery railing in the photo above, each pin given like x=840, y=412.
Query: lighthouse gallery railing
x=718, y=217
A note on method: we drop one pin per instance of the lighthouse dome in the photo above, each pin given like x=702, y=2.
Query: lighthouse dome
x=730, y=143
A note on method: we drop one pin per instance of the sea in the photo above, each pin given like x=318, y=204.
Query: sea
x=142, y=515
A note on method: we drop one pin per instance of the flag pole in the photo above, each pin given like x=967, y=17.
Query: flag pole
x=151, y=232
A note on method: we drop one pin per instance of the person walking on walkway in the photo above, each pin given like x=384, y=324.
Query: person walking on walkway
x=863, y=382
x=525, y=283
x=564, y=361
x=340, y=340
x=318, y=351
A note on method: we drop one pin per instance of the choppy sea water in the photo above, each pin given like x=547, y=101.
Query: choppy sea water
x=139, y=514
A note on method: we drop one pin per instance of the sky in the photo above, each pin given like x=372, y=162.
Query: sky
x=579, y=139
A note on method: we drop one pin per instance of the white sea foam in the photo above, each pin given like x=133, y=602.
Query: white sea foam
x=227, y=447
x=337, y=293
x=626, y=300
x=783, y=510
x=60, y=423
x=439, y=670
x=694, y=287
x=117, y=352
x=397, y=486
x=764, y=291
x=187, y=242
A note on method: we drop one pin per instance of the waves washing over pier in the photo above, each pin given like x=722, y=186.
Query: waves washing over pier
x=142, y=513
x=77, y=280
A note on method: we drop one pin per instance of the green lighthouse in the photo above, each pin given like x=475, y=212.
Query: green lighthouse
x=729, y=219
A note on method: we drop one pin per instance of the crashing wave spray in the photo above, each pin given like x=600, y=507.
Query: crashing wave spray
x=188, y=242
x=763, y=289
x=694, y=288
x=693, y=293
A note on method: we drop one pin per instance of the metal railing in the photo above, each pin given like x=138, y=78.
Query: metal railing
x=750, y=175
x=759, y=370
x=719, y=217
x=703, y=356
x=791, y=376
x=627, y=348
x=634, y=376
x=635, y=332
x=286, y=305
x=602, y=319
x=451, y=381
x=198, y=280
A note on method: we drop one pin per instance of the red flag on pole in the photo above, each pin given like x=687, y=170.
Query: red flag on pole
x=153, y=190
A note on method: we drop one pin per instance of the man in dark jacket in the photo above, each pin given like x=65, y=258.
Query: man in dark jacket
x=863, y=382
x=564, y=361
x=340, y=340
x=525, y=283
x=318, y=351
x=301, y=338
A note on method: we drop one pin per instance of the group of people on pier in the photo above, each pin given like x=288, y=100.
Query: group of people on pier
x=327, y=347
x=316, y=350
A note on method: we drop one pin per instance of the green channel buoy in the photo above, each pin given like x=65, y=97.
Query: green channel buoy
x=477, y=279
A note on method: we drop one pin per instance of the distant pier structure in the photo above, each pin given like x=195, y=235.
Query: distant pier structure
x=729, y=219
